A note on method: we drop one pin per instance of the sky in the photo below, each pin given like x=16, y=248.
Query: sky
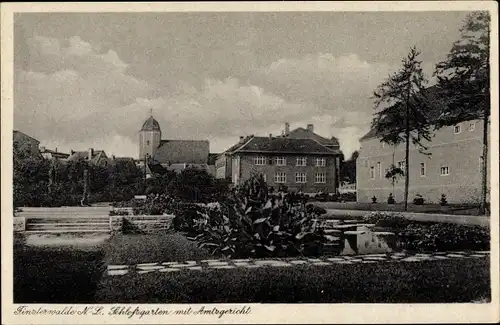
x=90, y=80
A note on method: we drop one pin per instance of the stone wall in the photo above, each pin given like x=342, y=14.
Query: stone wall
x=19, y=224
x=140, y=223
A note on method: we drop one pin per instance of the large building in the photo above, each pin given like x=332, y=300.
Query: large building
x=170, y=154
x=25, y=144
x=223, y=164
x=453, y=167
x=299, y=163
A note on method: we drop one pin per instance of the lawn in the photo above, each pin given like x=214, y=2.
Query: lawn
x=62, y=274
x=455, y=209
x=423, y=282
x=431, y=281
x=56, y=274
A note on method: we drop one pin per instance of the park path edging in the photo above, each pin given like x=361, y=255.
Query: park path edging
x=415, y=216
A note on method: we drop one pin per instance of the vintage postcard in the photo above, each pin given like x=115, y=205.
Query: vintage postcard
x=253, y=162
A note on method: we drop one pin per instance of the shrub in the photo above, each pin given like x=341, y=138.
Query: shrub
x=348, y=197
x=443, y=200
x=418, y=200
x=119, y=213
x=374, y=199
x=444, y=237
x=386, y=220
x=254, y=223
x=390, y=199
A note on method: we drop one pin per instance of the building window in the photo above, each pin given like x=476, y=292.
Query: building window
x=379, y=168
x=472, y=126
x=422, y=169
x=147, y=142
x=300, y=178
x=320, y=178
x=445, y=171
x=372, y=172
x=320, y=162
x=281, y=161
x=366, y=162
x=280, y=178
x=301, y=161
x=259, y=161
x=457, y=129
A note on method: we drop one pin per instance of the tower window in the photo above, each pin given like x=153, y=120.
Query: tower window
x=147, y=142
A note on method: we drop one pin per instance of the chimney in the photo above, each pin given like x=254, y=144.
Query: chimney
x=91, y=153
x=310, y=128
x=270, y=135
x=56, y=149
x=42, y=149
x=72, y=152
x=287, y=128
x=242, y=139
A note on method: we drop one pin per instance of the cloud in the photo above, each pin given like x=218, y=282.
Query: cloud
x=74, y=97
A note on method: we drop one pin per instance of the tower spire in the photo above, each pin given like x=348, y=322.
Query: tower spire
x=151, y=112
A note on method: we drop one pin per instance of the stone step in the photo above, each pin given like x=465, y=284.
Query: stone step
x=65, y=231
x=67, y=227
x=72, y=225
x=66, y=220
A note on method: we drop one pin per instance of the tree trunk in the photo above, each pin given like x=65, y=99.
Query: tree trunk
x=484, y=167
x=407, y=145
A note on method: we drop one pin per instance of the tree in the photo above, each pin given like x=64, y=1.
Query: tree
x=402, y=108
x=464, y=83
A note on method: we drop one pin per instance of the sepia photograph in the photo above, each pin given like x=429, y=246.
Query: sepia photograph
x=251, y=157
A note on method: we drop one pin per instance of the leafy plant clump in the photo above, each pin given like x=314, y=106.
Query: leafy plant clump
x=444, y=237
x=418, y=200
x=386, y=220
x=443, y=200
x=115, y=212
x=390, y=199
x=251, y=222
x=374, y=199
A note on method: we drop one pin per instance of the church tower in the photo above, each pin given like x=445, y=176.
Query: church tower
x=149, y=137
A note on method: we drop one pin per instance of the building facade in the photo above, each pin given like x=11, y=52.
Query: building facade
x=26, y=144
x=53, y=154
x=298, y=164
x=94, y=157
x=453, y=167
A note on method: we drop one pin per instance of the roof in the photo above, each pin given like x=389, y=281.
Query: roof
x=182, y=151
x=151, y=125
x=435, y=108
x=283, y=145
x=55, y=153
x=25, y=135
x=212, y=157
x=156, y=169
x=83, y=155
x=301, y=133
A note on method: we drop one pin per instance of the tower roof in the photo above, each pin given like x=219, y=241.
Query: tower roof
x=151, y=125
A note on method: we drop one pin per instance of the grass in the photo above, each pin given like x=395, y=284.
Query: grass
x=135, y=249
x=75, y=275
x=56, y=274
x=436, y=281
x=454, y=209
x=423, y=282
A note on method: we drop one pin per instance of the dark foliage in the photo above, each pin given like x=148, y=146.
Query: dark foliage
x=390, y=199
x=251, y=222
x=418, y=200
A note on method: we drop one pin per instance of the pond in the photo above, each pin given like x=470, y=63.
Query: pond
x=357, y=237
